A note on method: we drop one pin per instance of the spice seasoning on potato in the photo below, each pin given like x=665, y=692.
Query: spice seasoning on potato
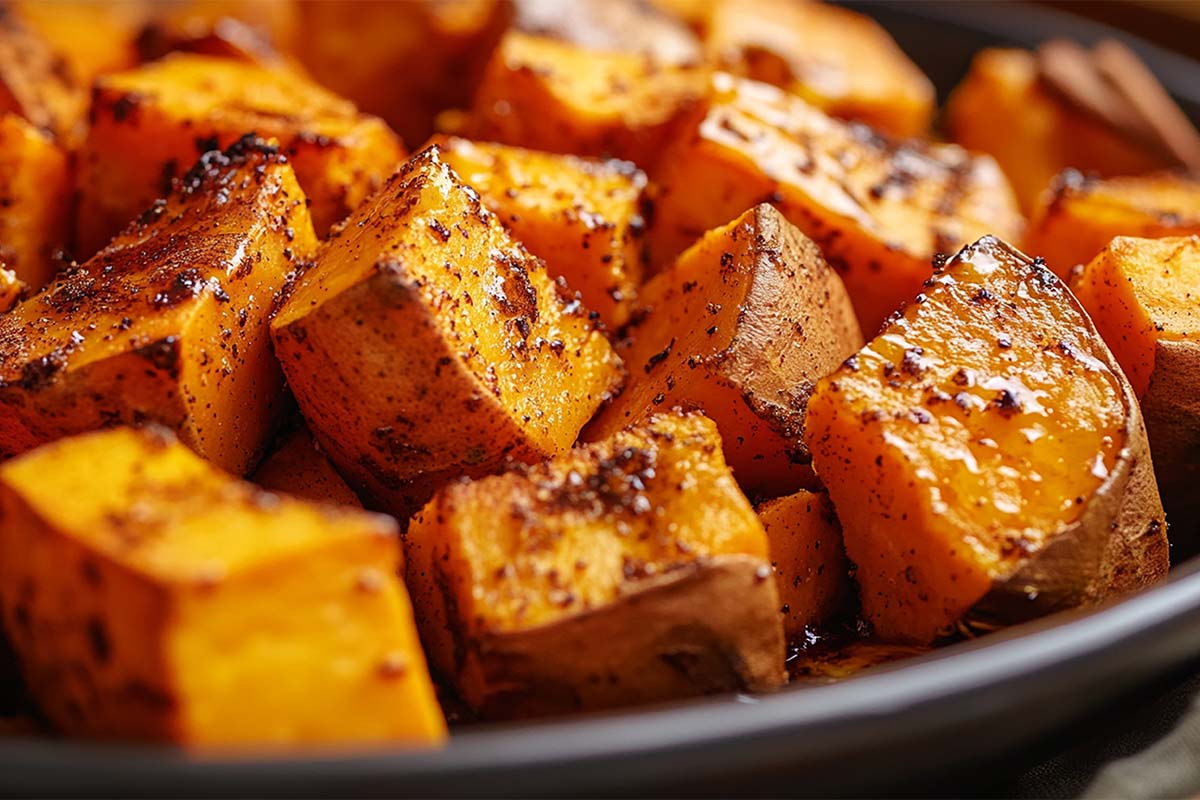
x=148, y=124
x=1144, y=296
x=601, y=578
x=878, y=210
x=842, y=62
x=549, y=95
x=168, y=602
x=742, y=327
x=168, y=323
x=583, y=217
x=808, y=560
x=986, y=455
x=1080, y=215
x=427, y=344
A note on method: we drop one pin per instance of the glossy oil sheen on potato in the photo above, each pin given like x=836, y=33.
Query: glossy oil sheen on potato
x=985, y=450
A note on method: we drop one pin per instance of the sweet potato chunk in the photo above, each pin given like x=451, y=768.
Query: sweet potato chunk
x=878, y=210
x=11, y=289
x=35, y=197
x=629, y=26
x=842, y=62
x=582, y=216
x=404, y=61
x=550, y=95
x=168, y=323
x=741, y=327
x=559, y=588
x=1144, y=296
x=986, y=455
x=426, y=343
x=1079, y=216
x=91, y=37
x=298, y=468
x=33, y=83
x=1040, y=135
x=148, y=123
x=808, y=559
x=170, y=602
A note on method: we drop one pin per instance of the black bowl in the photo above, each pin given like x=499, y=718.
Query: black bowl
x=1002, y=698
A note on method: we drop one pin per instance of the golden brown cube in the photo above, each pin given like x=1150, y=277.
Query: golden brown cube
x=742, y=327
x=299, y=468
x=583, y=217
x=35, y=195
x=842, y=62
x=561, y=587
x=168, y=323
x=169, y=602
x=427, y=344
x=1080, y=215
x=550, y=95
x=879, y=210
x=149, y=123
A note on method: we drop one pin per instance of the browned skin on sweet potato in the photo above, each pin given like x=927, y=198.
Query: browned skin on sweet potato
x=427, y=344
x=986, y=455
x=1144, y=296
x=742, y=327
x=808, y=559
x=1080, y=215
x=168, y=323
x=602, y=578
x=879, y=210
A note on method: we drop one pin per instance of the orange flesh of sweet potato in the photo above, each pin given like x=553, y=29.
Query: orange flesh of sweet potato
x=742, y=327
x=808, y=559
x=1041, y=135
x=169, y=602
x=33, y=83
x=840, y=61
x=427, y=344
x=148, y=123
x=549, y=95
x=878, y=210
x=1144, y=296
x=298, y=468
x=582, y=217
x=592, y=580
x=35, y=195
x=168, y=323
x=1079, y=216
x=986, y=436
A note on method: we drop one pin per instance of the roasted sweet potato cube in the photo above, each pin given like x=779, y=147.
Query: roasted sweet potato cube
x=840, y=61
x=35, y=194
x=299, y=468
x=630, y=26
x=148, y=123
x=550, y=95
x=403, y=61
x=170, y=602
x=742, y=327
x=986, y=455
x=1080, y=215
x=427, y=344
x=33, y=83
x=582, y=216
x=879, y=210
x=561, y=588
x=1041, y=135
x=91, y=37
x=168, y=323
x=808, y=559
x=1144, y=296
